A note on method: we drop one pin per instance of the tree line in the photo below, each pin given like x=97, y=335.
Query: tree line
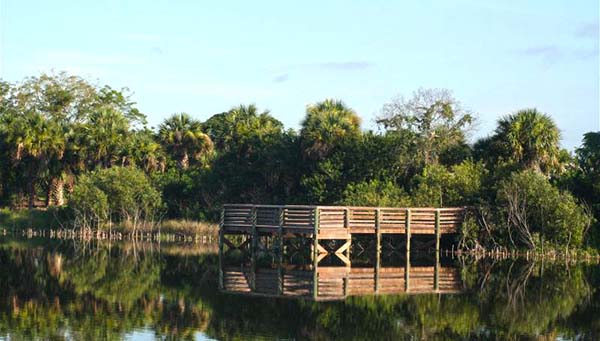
x=66, y=140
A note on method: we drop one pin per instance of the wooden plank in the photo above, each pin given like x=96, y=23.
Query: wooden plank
x=321, y=249
x=344, y=247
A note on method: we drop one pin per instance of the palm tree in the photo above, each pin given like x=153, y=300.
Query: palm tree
x=182, y=137
x=62, y=171
x=35, y=141
x=145, y=152
x=241, y=127
x=325, y=124
x=529, y=139
x=105, y=137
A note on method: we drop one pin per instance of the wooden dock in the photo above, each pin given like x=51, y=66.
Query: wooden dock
x=325, y=223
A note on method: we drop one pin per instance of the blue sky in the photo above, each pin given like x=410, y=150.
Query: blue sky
x=205, y=57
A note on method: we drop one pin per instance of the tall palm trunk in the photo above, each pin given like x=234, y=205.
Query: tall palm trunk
x=56, y=192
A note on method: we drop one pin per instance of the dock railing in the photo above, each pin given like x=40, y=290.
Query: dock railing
x=330, y=221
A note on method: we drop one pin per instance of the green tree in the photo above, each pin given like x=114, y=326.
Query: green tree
x=436, y=119
x=144, y=151
x=325, y=124
x=105, y=138
x=529, y=140
x=534, y=209
x=585, y=180
x=375, y=193
x=33, y=140
x=438, y=186
x=257, y=161
x=588, y=158
x=130, y=197
x=236, y=129
x=72, y=106
x=71, y=98
x=183, y=138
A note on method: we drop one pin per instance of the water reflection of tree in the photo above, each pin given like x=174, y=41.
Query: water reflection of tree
x=107, y=293
x=100, y=295
x=122, y=280
x=525, y=299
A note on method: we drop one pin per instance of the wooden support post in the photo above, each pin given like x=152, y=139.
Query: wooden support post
x=221, y=233
x=407, y=264
x=254, y=250
x=378, y=248
x=436, y=278
x=438, y=231
x=316, y=254
x=407, y=229
x=407, y=272
x=280, y=255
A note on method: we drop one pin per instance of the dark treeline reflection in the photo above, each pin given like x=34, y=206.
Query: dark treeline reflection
x=90, y=292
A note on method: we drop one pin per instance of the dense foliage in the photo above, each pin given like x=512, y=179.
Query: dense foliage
x=115, y=194
x=56, y=129
x=534, y=209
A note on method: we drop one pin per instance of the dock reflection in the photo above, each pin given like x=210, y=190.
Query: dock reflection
x=326, y=282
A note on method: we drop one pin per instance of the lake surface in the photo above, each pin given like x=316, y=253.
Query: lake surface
x=73, y=290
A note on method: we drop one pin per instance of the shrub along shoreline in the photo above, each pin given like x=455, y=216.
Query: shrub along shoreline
x=86, y=153
x=40, y=222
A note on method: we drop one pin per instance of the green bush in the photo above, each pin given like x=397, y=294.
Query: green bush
x=116, y=194
x=88, y=202
x=375, y=193
x=438, y=186
x=534, y=208
x=181, y=193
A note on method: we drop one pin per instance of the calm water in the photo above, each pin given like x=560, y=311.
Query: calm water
x=67, y=290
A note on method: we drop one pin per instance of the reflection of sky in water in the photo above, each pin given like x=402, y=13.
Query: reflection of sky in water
x=148, y=334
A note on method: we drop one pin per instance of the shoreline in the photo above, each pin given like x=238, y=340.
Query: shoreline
x=210, y=238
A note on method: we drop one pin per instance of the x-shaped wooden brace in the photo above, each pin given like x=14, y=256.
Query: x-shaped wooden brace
x=339, y=252
x=231, y=246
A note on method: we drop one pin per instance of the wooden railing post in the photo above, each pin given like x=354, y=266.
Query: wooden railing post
x=221, y=233
x=436, y=279
x=254, y=249
x=407, y=232
x=437, y=230
x=346, y=217
x=378, y=248
x=316, y=254
x=280, y=212
x=407, y=263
